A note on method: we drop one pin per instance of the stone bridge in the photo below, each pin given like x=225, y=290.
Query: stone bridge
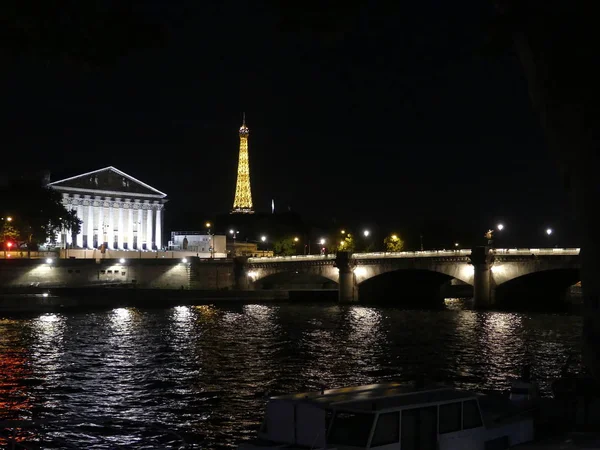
x=493, y=273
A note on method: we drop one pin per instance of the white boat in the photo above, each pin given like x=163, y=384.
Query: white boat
x=393, y=416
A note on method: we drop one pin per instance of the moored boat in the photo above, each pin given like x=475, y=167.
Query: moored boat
x=393, y=416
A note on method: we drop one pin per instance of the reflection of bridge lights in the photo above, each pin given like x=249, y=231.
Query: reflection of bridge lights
x=49, y=318
x=252, y=274
x=182, y=312
x=121, y=314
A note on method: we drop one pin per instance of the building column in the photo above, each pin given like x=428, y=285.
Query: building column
x=110, y=232
x=483, y=289
x=79, y=237
x=90, y=225
x=140, y=234
x=158, y=238
x=347, y=292
x=130, y=228
x=120, y=232
x=70, y=232
x=149, y=245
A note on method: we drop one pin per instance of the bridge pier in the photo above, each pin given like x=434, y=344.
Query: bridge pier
x=240, y=274
x=483, y=283
x=347, y=282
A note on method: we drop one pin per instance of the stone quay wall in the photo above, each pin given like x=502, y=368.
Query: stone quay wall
x=143, y=273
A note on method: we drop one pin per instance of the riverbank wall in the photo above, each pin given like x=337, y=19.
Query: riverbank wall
x=160, y=273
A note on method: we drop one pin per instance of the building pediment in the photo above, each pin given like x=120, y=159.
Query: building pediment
x=107, y=181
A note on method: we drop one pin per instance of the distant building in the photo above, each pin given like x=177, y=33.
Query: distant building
x=199, y=242
x=249, y=249
x=118, y=211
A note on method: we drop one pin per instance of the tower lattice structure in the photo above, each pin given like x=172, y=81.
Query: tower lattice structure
x=242, y=202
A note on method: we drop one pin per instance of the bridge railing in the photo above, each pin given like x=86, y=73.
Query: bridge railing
x=537, y=251
x=291, y=258
x=417, y=254
x=425, y=254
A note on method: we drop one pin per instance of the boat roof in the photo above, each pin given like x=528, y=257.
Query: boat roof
x=375, y=397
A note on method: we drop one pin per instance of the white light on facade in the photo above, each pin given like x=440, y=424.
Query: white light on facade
x=122, y=260
x=49, y=260
x=184, y=260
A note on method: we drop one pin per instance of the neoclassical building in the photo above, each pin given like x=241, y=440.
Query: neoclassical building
x=115, y=208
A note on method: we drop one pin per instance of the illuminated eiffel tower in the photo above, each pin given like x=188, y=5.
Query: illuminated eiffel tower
x=242, y=202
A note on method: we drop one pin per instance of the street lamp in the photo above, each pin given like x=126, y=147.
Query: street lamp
x=263, y=238
x=296, y=239
x=9, y=219
x=500, y=227
x=456, y=244
x=366, y=233
x=549, y=231
x=212, y=241
x=322, y=242
x=234, y=233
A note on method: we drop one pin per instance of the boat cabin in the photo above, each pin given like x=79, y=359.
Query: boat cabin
x=385, y=417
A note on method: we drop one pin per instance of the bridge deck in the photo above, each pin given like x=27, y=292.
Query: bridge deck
x=425, y=254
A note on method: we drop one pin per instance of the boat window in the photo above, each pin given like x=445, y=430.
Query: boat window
x=350, y=429
x=471, y=415
x=387, y=430
x=419, y=429
x=450, y=417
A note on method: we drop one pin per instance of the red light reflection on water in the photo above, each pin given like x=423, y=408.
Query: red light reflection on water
x=15, y=400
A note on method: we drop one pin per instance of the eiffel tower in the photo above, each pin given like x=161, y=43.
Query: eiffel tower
x=242, y=202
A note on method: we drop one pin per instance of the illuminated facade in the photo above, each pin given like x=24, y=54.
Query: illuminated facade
x=116, y=210
x=242, y=202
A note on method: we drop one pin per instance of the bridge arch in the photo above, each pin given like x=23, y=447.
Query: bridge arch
x=417, y=281
x=541, y=288
x=290, y=276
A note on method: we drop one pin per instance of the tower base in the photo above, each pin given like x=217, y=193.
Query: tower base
x=242, y=211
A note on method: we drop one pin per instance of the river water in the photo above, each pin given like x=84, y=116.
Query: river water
x=202, y=372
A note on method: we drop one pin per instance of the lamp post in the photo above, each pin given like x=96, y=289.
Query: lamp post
x=234, y=233
x=8, y=219
x=212, y=241
x=322, y=242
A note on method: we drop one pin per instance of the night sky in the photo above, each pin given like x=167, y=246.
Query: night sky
x=370, y=115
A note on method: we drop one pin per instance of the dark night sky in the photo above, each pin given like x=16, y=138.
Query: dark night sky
x=382, y=114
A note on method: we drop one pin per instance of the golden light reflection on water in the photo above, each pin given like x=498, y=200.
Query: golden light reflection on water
x=498, y=344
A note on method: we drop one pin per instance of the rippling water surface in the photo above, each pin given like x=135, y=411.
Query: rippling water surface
x=199, y=374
